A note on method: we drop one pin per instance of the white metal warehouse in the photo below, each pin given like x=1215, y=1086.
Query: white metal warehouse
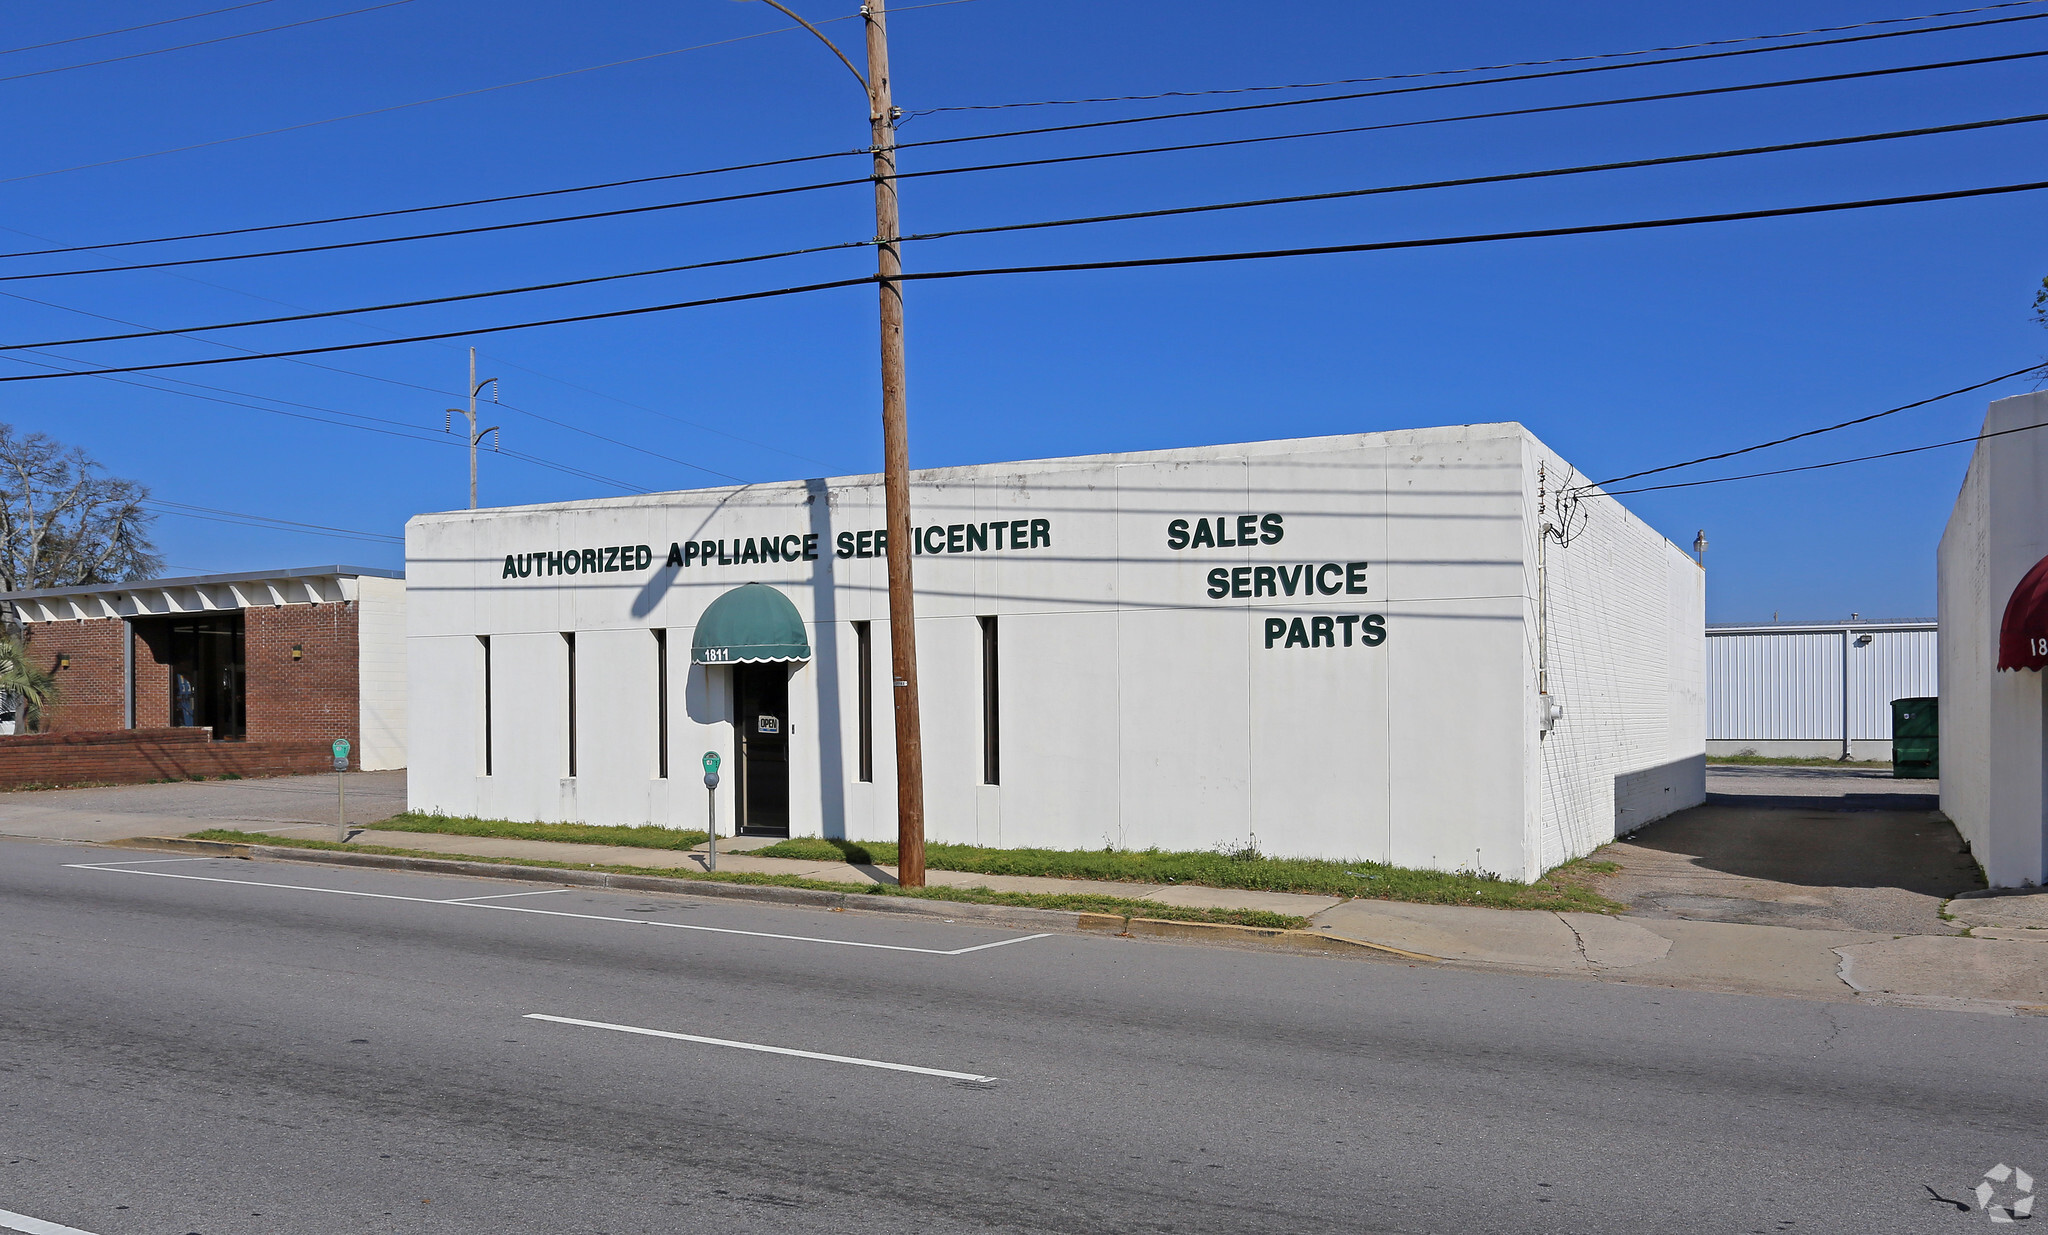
x=1814, y=689
x=1329, y=647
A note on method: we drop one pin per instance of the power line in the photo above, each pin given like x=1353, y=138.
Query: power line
x=437, y=300
x=380, y=111
x=1525, y=111
x=1845, y=424
x=475, y=201
x=225, y=38
x=1815, y=467
x=442, y=235
x=847, y=153
x=1501, y=178
x=417, y=436
x=249, y=520
x=1459, y=85
x=1665, y=160
x=148, y=25
x=1072, y=267
x=187, y=334
x=1484, y=68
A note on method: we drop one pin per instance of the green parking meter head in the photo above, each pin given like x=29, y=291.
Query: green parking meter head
x=341, y=748
x=711, y=763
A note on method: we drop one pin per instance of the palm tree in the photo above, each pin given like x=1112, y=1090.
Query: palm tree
x=30, y=687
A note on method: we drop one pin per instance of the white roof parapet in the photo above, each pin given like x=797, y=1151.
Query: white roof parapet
x=310, y=585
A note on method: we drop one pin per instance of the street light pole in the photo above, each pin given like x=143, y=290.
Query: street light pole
x=895, y=441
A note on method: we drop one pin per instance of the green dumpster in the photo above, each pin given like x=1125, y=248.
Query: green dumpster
x=1916, y=740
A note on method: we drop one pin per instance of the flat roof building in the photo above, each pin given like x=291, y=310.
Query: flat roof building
x=1359, y=646
x=256, y=673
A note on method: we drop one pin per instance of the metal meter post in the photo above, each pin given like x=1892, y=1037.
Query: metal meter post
x=711, y=792
x=340, y=749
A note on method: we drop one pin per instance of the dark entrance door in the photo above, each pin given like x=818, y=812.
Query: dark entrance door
x=207, y=672
x=760, y=721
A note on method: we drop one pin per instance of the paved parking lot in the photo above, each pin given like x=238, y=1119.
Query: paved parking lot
x=1821, y=848
x=272, y=804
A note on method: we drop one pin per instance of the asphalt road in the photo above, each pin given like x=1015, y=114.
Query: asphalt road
x=184, y=1055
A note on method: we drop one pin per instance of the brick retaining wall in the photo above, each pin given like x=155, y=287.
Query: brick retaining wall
x=136, y=756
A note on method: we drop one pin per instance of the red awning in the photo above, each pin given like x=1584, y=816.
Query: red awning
x=2023, y=635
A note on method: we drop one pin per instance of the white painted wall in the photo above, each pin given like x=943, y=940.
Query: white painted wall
x=1992, y=732
x=380, y=672
x=1136, y=710
x=1627, y=609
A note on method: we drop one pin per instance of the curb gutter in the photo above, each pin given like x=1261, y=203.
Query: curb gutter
x=1313, y=942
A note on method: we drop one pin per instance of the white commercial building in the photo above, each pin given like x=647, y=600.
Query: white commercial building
x=1814, y=689
x=1993, y=585
x=1332, y=647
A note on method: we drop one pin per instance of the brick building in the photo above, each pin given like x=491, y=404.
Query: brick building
x=249, y=674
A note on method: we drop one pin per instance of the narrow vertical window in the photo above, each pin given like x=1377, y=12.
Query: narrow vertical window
x=569, y=643
x=661, y=700
x=991, y=729
x=485, y=641
x=864, y=670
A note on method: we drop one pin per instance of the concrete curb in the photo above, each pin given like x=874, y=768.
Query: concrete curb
x=1021, y=917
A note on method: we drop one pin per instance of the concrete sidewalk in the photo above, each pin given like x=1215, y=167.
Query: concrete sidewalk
x=2003, y=969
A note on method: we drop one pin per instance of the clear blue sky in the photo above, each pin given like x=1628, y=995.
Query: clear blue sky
x=1622, y=351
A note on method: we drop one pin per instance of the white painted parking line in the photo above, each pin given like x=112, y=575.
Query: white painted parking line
x=154, y=861
x=109, y=868
x=464, y=900
x=35, y=1226
x=770, y=1050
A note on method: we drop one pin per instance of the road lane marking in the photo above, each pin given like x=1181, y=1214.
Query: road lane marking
x=108, y=868
x=464, y=900
x=770, y=1050
x=35, y=1226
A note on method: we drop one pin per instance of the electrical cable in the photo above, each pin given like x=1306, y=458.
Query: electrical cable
x=1665, y=160
x=1467, y=181
x=1072, y=267
x=476, y=201
x=1845, y=424
x=380, y=111
x=432, y=390
x=442, y=235
x=1484, y=68
x=225, y=38
x=1456, y=85
x=759, y=165
x=148, y=25
x=224, y=516
x=436, y=300
x=432, y=440
x=1557, y=107
x=1815, y=467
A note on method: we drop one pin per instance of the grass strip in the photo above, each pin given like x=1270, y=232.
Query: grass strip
x=644, y=836
x=1561, y=889
x=1791, y=761
x=1072, y=902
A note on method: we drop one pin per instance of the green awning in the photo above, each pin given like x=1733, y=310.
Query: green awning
x=751, y=624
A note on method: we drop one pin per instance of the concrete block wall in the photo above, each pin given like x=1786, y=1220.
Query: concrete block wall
x=1627, y=615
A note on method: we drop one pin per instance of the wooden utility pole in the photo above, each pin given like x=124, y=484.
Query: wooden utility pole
x=896, y=461
x=895, y=439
